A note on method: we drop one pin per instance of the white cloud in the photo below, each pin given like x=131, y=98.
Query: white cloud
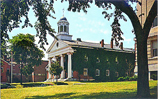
x=78, y=25
x=81, y=14
x=95, y=23
x=104, y=31
x=82, y=18
x=126, y=40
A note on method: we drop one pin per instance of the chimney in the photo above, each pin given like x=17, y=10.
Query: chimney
x=121, y=46
x=79, y=39
x=102, y=43
x=111, y=44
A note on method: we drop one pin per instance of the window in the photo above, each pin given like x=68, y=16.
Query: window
x=85, y=71
x=57, y=44
x=58, y=29
x=64, y=28
x=98, y=60
x=97, y=72
x=2, y=70
x=107, y=61
x=116, y=60
x=116, y=74
x=8, y=71
x=154, y=48
x=107, y=72
x=61, y=28
x=85, y=58
x=155, y=21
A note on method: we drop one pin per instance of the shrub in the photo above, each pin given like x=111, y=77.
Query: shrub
x=134, y=78
x=126, y=78
x=3, y=86
x=120, y=79
x=154, y=76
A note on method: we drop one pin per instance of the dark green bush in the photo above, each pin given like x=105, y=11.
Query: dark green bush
x=4, y=86
x=134, y=78
x=126, y=78
x=120, y=79
x=154, y=76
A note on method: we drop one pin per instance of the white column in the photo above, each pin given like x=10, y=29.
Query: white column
x=49, y=68
x=62, y=65
x=69, y=66
x=149, y=75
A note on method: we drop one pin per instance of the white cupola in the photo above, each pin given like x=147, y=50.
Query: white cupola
x=63, y=29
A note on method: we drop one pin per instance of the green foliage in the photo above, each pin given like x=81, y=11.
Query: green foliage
x=120, y=79
x=27, y=70
x=55, y=68
x=13, y=10
x=127, y=78
x=154, y=76
x=26, y=52
x=107, y=62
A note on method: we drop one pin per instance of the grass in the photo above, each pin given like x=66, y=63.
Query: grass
x=126, y=89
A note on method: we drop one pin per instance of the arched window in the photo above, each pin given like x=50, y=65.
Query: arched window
x=61, y=28
x=86, y=58
x=155, y=22
x=85, y=71
x=116, y=60
x=97, y=72
x=98, y=60
x=64, y=28
x=107, y=72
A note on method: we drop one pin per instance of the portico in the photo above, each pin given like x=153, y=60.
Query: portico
x=58, y=54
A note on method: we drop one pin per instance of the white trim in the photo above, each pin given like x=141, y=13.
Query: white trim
x=107, y=72
x=60, y=51
x=97, y=72
x=86, y=70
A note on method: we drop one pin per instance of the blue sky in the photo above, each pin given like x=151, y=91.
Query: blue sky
x=90, y=26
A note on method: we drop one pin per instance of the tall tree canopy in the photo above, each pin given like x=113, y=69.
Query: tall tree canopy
x=13, y=10
x=26, y=52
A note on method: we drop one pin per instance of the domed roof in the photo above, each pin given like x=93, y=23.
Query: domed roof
x=63, y=18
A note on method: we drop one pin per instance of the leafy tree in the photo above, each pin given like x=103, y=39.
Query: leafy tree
x=26, y=53
x=13, y=10
x=55, y=69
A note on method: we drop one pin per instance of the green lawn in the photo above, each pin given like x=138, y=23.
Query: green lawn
x=89, y=90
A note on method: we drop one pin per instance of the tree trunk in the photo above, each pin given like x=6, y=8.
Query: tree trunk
x=142, y=62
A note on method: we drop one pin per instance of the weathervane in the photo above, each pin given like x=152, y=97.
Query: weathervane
x=63, y=12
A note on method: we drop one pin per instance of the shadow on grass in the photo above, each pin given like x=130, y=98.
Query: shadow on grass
x=62, y=95
x=101, y=95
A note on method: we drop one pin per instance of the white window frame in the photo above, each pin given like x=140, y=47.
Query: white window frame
x=85, y=71
x=97, y=72
x=154, y=49
x=108, y=72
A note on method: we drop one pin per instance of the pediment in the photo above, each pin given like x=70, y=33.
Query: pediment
x=56, y=45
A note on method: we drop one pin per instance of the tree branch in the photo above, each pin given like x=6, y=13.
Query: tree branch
x=150, y=18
